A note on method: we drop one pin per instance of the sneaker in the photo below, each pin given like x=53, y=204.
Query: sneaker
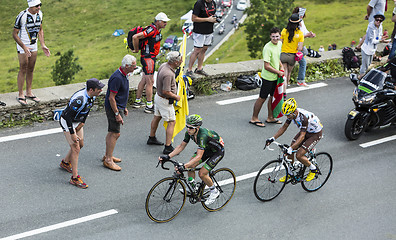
x=283, y=179
x=201, y=72
x=212, y=197
x=189, y=74
x=149, y=110
x=78, y=182
x=168, y=149
x=311, y=175
x=302, y=84
x=138, y=104
x=154, y=141
x=66, y=166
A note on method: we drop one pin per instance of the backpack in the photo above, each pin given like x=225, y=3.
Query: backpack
x=350, y=59
x=246, y=83
x=132, y=32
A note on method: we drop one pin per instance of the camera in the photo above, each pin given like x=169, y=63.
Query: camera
x=218, y=19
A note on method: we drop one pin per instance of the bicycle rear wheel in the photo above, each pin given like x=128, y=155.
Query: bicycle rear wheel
x=225, y=182
x=324, y=164
x=266, y=184
x=165, y=200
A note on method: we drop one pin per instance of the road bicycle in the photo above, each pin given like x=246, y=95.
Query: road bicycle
x=267, y=185
x=166, y=198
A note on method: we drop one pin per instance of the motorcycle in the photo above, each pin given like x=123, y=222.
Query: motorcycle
x=234, y=19
x=374, y=99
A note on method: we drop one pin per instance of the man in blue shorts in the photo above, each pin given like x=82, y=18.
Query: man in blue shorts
x=271, y=70
x=115, y=105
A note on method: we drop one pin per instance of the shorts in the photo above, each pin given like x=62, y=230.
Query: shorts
x=32, y=48
x=310, y=140
x=148, y=65
x=288, y=58
x=201, y=40
x=64, y=126
x=163, y=109
x=267, y=87
x=212, y=159
x=113, y=125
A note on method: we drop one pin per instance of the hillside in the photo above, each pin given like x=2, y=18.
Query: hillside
x=86, y=27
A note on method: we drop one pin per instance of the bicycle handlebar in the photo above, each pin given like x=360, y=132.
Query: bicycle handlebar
x=283, y=147
x=165, y=159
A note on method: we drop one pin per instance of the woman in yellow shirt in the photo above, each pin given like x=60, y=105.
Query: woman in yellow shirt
x=292, y=41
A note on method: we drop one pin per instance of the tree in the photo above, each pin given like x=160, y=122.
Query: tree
x=65, y=68
x=264, y=15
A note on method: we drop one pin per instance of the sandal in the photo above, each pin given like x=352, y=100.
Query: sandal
x=33, y=98
x=22, y=101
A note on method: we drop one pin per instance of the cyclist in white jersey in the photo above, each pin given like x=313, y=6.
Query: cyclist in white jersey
x=309, y=135
x=27, y=29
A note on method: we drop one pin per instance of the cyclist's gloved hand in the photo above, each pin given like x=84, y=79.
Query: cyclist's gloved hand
x=164, y=157
x=181, y=167
x=289, y=150
x=269, y=141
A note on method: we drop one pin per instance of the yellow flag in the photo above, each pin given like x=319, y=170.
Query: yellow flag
x=181, y=107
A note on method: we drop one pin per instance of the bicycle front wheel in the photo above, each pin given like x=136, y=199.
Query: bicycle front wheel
x=266, y=184
x=165, y=200
x=324, y=164
x=225, y=182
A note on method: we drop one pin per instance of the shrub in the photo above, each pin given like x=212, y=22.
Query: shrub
x=65, y=68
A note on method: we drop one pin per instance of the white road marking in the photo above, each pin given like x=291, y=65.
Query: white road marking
x=376, y=142
x=62, y=225
x=31, y=134
x=253, y=97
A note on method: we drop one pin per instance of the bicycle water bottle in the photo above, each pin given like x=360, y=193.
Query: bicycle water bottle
x=191, y=181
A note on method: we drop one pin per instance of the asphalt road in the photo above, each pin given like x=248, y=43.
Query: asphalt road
x=358, y=201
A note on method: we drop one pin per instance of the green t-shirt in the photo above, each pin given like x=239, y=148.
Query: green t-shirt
x=271, y=54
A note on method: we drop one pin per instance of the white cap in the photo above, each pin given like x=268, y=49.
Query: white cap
x=33, y=3
x=162, y=17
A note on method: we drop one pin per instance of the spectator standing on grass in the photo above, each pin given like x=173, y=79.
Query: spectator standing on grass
x=373, y=7
x=152, y=36
x=373, y=37
x=203, y=16
x=307, y=34
x=271, y=70
x=115, y=105
x=292, y=42
x=163, y=101
x=72, y=121
x=27, y=29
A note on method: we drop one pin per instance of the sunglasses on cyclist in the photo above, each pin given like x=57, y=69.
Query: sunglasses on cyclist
x=190, y=127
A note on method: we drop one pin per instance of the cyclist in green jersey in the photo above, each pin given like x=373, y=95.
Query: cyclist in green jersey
x=210, y=150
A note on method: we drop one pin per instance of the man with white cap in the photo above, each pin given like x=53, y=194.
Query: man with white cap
x=28, y=27
x=151, y=47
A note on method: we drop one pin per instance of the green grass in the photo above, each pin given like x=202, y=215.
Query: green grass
x=86, y=27
x=335, y=22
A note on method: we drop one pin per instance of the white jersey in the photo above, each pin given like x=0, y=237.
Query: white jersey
x=307, y=121
x=29, y=26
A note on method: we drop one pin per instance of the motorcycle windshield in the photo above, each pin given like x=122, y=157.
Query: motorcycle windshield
x=372, y=81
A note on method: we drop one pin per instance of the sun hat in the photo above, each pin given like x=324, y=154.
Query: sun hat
x=379, y=14
x=294, y=18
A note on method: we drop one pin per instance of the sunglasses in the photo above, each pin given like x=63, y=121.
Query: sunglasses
x=378, y=20
x=38, y=5
x=190, y=127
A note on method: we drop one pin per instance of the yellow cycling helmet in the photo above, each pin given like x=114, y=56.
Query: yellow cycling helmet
x=289, y=106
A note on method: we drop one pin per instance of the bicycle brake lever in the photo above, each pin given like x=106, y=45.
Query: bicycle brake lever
x=158, y=164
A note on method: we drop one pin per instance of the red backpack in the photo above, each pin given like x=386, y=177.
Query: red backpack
x=132, y=32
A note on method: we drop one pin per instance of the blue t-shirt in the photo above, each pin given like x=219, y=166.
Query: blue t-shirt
x=119, y=84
